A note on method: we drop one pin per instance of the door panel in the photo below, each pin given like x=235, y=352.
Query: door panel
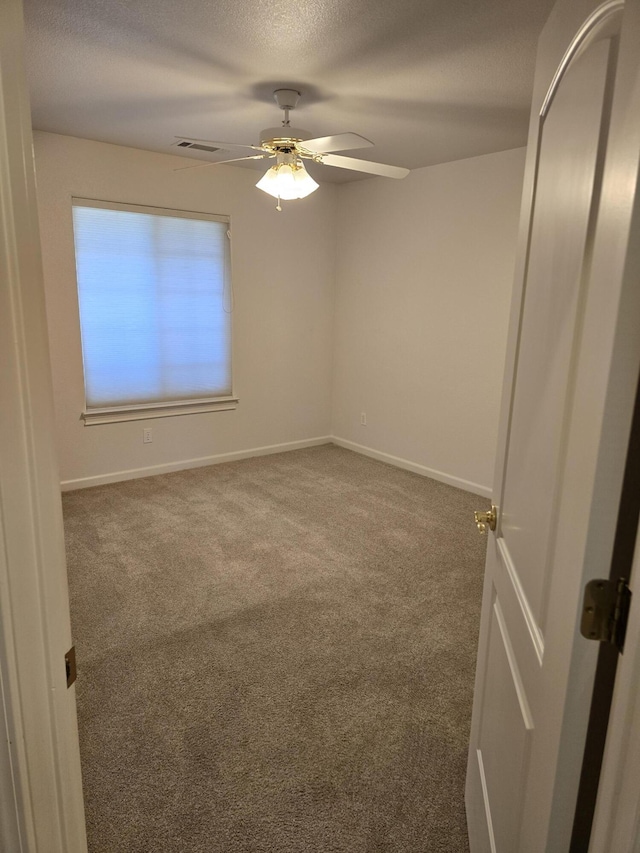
x=505, y=730
x=569, y=146
x=523, y=625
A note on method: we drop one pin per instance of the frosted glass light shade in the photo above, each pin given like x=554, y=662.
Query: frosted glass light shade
x=287, y=181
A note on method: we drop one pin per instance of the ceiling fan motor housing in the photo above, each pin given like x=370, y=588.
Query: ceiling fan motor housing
x=275, y=134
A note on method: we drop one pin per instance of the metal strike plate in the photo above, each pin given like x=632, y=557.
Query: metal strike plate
x=70, y=666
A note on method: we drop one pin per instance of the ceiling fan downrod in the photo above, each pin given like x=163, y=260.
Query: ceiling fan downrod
x=287, y=100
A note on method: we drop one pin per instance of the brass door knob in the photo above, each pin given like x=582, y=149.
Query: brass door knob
x=486, y=520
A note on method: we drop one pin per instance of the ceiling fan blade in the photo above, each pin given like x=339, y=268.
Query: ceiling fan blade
x=221, y=162
x=225, y=146
x=339, y=142
x=364, y=166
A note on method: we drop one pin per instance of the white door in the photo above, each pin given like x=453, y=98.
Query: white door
x=572, y=368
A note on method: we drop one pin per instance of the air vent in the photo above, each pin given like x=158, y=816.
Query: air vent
x=197, y=145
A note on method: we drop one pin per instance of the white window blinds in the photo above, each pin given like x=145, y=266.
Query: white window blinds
x=154, y=298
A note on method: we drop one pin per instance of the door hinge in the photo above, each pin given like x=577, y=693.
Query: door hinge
x=605, y=611
x=70, y=665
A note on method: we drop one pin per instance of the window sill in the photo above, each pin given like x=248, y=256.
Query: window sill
x=94, y=417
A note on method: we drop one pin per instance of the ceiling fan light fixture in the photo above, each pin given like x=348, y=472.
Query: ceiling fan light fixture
x=304, y=182
x=287, y=180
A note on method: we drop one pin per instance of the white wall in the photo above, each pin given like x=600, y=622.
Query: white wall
x=401, y=287
x=283, y=276
x=424, y=277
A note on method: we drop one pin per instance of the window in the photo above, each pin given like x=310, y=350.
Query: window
x=154, y=294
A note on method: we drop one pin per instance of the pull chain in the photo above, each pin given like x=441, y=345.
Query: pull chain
x=278, y=208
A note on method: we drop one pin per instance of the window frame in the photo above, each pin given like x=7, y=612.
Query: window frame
x=92, y=415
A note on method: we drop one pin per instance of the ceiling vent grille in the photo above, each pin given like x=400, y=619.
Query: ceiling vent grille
x=197, y=145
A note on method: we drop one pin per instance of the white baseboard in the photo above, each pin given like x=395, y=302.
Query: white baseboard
x=152, y=470
x=201, y=462
x=449, y=479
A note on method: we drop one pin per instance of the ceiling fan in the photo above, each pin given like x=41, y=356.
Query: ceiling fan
x=290, y=146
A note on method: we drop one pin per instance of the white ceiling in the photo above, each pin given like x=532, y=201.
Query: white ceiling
x=427, y=81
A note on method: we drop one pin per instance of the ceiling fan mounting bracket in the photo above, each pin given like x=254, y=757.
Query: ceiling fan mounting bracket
x=286, y=99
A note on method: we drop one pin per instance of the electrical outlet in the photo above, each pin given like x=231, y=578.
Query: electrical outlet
x=147, y=435
x=363, y=418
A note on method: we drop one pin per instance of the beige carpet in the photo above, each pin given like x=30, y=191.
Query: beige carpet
x=275, y=655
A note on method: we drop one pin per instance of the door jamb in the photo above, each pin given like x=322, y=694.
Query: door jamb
x=41, y=802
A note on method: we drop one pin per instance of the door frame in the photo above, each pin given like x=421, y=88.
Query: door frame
x=41, y=805
x=616, y=826
x=40, y=784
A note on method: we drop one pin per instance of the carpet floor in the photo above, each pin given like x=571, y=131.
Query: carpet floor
x=275, y=656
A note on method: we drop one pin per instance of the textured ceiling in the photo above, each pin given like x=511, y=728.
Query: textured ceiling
x=426, y=80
